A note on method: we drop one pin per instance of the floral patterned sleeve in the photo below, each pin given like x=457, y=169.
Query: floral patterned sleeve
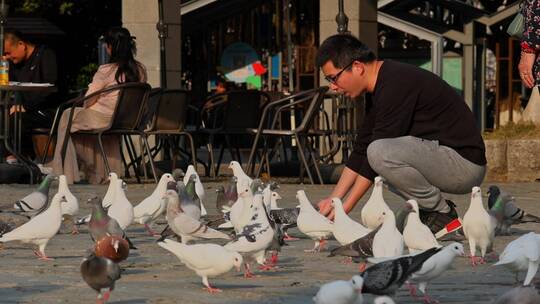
x=530, y=42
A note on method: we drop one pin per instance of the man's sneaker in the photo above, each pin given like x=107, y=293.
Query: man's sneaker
x=436, y=221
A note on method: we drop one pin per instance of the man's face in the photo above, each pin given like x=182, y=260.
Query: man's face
x=15, y=51
x=351, y=81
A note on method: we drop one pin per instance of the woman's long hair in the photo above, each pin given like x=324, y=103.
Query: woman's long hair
x=123, y=50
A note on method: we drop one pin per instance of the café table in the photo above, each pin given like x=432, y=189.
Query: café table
x=12, y=128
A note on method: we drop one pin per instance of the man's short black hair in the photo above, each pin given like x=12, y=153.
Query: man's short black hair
x=15, y=36
x=342, y=49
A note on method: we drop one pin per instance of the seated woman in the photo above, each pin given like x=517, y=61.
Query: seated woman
x=96, y=113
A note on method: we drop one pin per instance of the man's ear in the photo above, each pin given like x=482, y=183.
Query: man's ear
x=360, y=68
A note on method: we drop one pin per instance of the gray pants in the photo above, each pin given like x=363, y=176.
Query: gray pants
x=420, y=169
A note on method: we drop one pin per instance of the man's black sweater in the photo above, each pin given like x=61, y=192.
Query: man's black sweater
x=408, y=100
x=40, y=68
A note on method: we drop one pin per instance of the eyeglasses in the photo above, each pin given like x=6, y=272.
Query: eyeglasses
x=334, y=79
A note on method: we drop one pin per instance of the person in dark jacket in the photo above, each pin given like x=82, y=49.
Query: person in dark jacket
x=30, y=62
x=418, y=133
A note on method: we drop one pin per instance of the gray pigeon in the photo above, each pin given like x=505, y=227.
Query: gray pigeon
x=226, y=196
x=37, y=199
x=221, y=200
x=401, y=218
x=386, y=277
x=101, y=224
x=521, y=295
x=184, y=225
x=100, y=274
x=503, y=207
x=178, y=174
x=360, y=249
x=189, y=200
x=256, y=185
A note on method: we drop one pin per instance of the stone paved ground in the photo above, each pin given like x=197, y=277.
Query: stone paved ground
x=152, y=275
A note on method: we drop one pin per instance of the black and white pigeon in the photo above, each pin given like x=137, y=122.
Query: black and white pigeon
x=503, y=206
x=100, y=274
x=37, y=199
x=286, y=217
x=255, y=237
x=5, y=228
x=386, y=277
x=277, y=242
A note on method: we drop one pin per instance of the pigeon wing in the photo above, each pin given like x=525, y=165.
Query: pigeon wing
x=379, y=277
x=362, y=247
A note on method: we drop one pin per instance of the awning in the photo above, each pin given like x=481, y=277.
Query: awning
x=35, y=27
x=405, y=10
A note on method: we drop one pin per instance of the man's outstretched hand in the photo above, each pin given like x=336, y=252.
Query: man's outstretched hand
x=326, y=209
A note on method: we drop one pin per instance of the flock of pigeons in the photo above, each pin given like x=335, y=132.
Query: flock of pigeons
x=255, y=228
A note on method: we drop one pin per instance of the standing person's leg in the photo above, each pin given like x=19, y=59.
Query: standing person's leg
x=420, y=169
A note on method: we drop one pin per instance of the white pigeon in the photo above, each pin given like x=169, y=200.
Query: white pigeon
x=388, y=241
x=241, y=209
x=255, y=237
x=71, y=206
x=478, y=226
x=311, y=223
x=341, y=292
x=108, y=199
x=185, y=226
x=199, y=188
x=238, y=172
x=383, y=300
x=522, y=254
x=121, y=209
x=267, y=197
x=207, y=260
x=273, y=201
x=153, y=206
x=375, y=206
x=434, y=267
x=417, y=236
x=346, y=230
x=41, y=228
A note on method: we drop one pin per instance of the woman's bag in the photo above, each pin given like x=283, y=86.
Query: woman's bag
x=532, y=110
x=515, y=29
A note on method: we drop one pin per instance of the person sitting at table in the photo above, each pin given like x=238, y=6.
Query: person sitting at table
x=30, y=62
x=96, y=113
